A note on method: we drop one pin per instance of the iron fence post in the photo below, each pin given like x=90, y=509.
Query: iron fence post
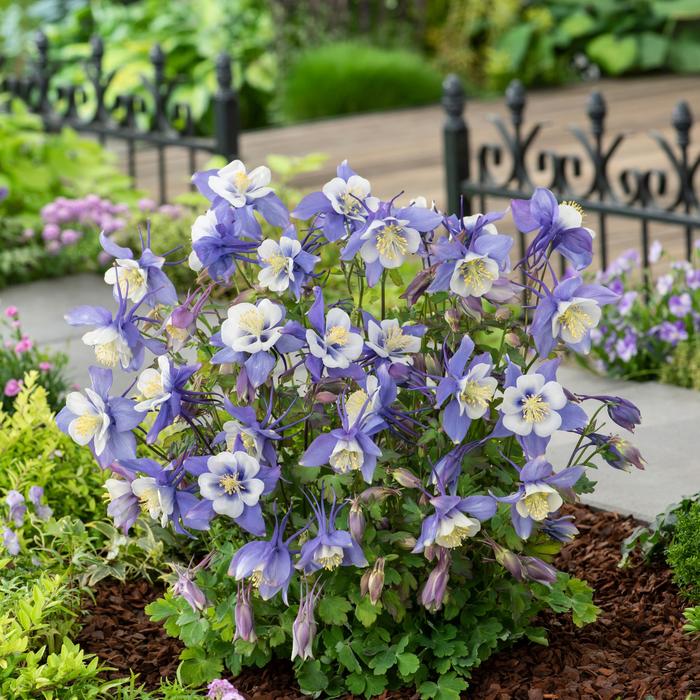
x=226, y=113
x=456, y=145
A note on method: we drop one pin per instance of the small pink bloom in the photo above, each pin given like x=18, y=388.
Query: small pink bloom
x=24, y=345
x=53, y=246
x=13, y=387
x=28, y=234
x=70, y=236
x=11, y=311
x=45, y=366
x=51, y=232
x=146, y=204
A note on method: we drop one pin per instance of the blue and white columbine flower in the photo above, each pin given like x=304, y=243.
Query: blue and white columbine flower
x=538, y=495
x=334, y=344
x=234, y=485
x=569, y=312
x=250, y=333
x=285, y=265
x=238, y=186
x=469, y=388
x=390, y=343
x=535, y=406
x=100, y=421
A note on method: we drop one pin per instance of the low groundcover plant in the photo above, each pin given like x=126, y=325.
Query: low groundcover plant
x=362, y=461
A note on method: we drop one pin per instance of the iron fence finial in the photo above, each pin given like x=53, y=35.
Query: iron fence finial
x=515, y=100
x=682, y=120
x=597, y=110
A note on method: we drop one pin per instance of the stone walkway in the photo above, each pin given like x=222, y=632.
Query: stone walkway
x=666, y=437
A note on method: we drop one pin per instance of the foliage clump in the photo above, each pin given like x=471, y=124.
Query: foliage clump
x=683, y=553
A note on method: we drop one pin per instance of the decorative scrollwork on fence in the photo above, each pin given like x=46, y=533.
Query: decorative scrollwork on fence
x=650, y=195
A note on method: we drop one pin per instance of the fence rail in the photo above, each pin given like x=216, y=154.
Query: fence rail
x=664, y=196
x=154, y=121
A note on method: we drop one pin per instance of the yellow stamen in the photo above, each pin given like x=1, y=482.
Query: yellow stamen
x=475, y=273
x=86, y=425
x=107, y=354
x=277, y=263
x=476, y=395
x=355, y=403
x=391, y=242
x=130, y=278
x=241, y=180
x=396, y=340
x=230, y=484
x=252, y=321
x=537, y=505
x=149, y=501
x=256, y=578
x=249, y=443
x=576, y=321
x=535, y=409
x=152, y=388
x=345, y=460
x=337, y=335
x=330, y=561
x=349, y=204
x=574, y=205
x=454, y=538
x=176, y=333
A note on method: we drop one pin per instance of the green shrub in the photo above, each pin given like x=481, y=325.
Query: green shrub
x=350, y=77
x=683, y=553
x=683, y=368
x=34, y=452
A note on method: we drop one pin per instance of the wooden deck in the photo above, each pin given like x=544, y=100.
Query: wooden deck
x=402, y=150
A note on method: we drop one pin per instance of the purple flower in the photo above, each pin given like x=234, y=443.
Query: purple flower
x=141, y=279
x=116, y=340
x=620, y=410
x=104, y=423
x=617, y=452
x=334, y=342
x=692, y=278
x=15, y=501
x=655, y=252
x=561, y=529
x=469, y=389
x=304, y=626
x=267, y=563
x=535, y=406
x=243, y=616
x=343, y=204
x=234, y=483
x=186, y=587
x=390, y=343
x=124, y=507
x=13, y=387
x=454, y=520
x=36, y=496
x=330, y=548
x=560, y=227
x=10, y=541
x=471, y=260
x=671, y=332
x=626, y=347
x=433, y=592
x=569, y=312
x=285, y=264
x=163, y=390
x=222, y=690
x=626, y=302
x=664, y=284
x=538, y=495
x=680, y=306
x=249, y=335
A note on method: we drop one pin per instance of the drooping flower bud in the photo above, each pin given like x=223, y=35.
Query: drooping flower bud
x=433, y=592
x=243, y=616
x=376, y=581
x=453, y=317
x=356, y=521
x=186, y=588
x=624, y=413
x=537, y=570
x=15, y=500
x=407, y=478
x=407, y=543
x=503, y=313
x=418, y=285
x=304, y=627
x=512, y=339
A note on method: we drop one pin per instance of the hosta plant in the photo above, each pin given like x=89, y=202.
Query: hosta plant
x=352, y=418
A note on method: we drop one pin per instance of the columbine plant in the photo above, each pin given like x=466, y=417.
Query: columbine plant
x=362, y=462
x=655, y=323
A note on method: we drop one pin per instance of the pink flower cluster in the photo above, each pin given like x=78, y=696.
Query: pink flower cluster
x=63, y=218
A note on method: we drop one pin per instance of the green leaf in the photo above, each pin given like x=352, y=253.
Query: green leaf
x=333, y=610
x=355, y=683
x=515, y=43
x=347, y=658
x=677, y=9
x=408, y=664
x=367, y=613
x=311, y=679
x=653, y=50
x=375, y=685
x=450, y=687
x=383, y=661
x=199, y=666
x=684, y=53
x=575, y=25
x=538, y=635
x=613, y=54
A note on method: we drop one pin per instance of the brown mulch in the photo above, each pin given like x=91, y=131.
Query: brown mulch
x=635, y=650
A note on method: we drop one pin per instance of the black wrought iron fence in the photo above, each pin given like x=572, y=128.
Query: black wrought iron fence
x=647, y=196
x=149, y=119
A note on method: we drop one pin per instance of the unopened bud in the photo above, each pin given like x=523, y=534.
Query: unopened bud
x=376, y=581
x=512, y=340
x=407, y=478
x=243, y=616
x=325, y=397
x=356, y=521
x=433, y=593
x=503, y=313
x=453, y=317
x=407, y=543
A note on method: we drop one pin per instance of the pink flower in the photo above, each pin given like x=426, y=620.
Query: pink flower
x=24, y=345
x=45, y=366
x=11, y=311
x=13, y=387
x=70, y=236
x=51, y=232
x=53, y=246
x=146, y=204
x=28, y=234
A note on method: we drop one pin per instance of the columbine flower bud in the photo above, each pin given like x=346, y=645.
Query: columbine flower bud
x=537, y=570
x=509, y=561
x=356, y=521
x=407, y=478
x=304, y=628
x=624, y=413
x=243, y=616
x=407, y=543
x=453, y=317
x=186, y=588
x=376, y=581
x=433, y=592
x=627, y=454
x=418, y=285
x=512, y=340
x=503, y=313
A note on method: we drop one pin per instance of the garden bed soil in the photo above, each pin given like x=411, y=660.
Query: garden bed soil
x=635, y=649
